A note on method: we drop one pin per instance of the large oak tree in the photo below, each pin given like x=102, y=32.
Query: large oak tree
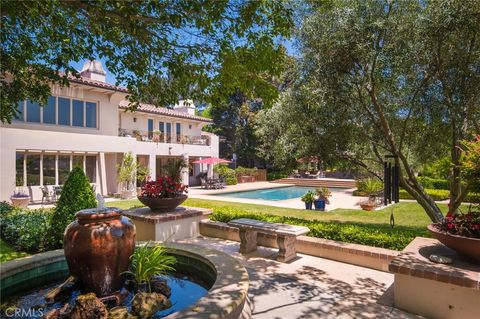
x=159, y=49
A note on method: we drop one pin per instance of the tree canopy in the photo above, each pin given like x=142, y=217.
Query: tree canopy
x=158, y=49
x=384, y=77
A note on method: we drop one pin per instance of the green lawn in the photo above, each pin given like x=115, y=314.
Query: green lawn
x=407, y=214
x=7, y=252
x=348, y=225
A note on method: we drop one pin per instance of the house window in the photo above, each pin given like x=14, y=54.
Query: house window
x=19, y=165
x=33, y=112
x=33, y=170
x=179, y=132
x=48, y=170
x=49, y=112
x=91, y=168
x=77, y=113
x=77, y=160
x=47, y=167
x=150, y=128
x=19, y=116
x=63, y=168
x=91, y=114
x=169, y=132
x=63, y=111
x=60, y=111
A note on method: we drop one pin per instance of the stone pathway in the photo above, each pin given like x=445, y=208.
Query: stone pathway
x=311, y=287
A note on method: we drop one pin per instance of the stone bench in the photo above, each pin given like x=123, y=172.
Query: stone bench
x=286, y=236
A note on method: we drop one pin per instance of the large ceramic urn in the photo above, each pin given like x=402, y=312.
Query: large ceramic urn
x=98, y=246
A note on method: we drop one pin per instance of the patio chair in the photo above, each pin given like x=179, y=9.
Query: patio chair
x=317, y=175
x=46, y=194
x=203, y=183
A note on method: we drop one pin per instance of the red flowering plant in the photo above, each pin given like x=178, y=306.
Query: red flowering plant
x=163, y=187
x=168, y=186
x=467, y=225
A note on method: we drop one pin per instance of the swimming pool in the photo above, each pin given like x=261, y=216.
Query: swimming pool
x=273, y=194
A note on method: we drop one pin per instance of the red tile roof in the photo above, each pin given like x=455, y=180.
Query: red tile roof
x=95, y=83
x=150, y=108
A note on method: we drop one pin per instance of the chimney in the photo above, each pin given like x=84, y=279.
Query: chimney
x=94, y=70
x=185, y=106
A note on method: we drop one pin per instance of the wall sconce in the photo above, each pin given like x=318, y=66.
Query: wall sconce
x=190, y=126
x=134, y=120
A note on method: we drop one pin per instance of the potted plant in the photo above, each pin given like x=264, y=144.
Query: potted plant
x=126, y=175
x=157, y=136
x=147, y=262
x=167, y=192
x=323, y=195
x=141, y=176
x=460, y=232
x=308, y=199
x=137, y=135
x=368, y=204
x=20, y=199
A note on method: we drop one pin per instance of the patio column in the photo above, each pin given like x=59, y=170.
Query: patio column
x=152, y=166
x=210, y=171
x=103, y=174
x=185, y=171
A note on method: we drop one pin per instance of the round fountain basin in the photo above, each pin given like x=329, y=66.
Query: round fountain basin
x=219, y=280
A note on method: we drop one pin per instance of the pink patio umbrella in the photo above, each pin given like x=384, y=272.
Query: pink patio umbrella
x=212, y=160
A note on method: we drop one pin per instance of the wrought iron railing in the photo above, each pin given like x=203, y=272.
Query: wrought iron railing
x=159, y=137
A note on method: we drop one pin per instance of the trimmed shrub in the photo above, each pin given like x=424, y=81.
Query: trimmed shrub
x=369, y=185
x=27, y=230
x=77, y=194
x=384, y=236
x=231, y=181
x=271, y=176
x=442, y=194
x=224, y=171
x=436, y=194
x=434, y=183
x=473, y=198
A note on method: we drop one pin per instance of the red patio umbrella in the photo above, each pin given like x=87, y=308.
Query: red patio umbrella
x=212, y=160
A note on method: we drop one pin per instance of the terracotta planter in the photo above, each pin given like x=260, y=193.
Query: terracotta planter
x=162, y=204
x=98, y=246
x=20, y=201
x=127, y=194
x=466, y=247
x=367, y=207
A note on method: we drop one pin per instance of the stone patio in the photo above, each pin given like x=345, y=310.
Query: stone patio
x=311, y=287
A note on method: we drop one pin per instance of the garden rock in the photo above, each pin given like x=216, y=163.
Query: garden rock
x=120, y=313
x=146, y=304
x=160, y=285
x=88, y=306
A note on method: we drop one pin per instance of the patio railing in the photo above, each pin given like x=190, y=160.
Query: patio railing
x=156, y=137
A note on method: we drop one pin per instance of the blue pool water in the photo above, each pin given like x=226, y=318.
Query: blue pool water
x=273, y=194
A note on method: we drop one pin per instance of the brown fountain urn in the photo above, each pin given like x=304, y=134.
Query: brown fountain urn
x=98, y=245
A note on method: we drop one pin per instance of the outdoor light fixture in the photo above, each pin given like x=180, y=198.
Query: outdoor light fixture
x=134, y=120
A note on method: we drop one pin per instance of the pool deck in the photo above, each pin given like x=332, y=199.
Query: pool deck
x=341, y=197
x=311, y=287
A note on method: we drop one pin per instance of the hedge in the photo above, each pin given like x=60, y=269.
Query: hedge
x=380, y=235
x=26, y=229
x=441, y=194
x=433, y=183
x=271, y=176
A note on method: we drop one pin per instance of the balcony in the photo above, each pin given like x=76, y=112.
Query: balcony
x=159, y=137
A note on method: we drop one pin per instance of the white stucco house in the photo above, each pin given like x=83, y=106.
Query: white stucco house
x=86, y=125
